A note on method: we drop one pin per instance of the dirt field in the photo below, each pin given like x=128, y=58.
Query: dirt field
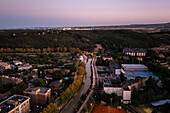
x=105, y=109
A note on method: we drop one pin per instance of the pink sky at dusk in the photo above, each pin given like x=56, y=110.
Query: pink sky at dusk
x=54, y=13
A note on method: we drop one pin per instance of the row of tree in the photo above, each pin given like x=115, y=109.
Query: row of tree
x=85, y=40
x=33, y=50
x=71, y=90
x=51, y=108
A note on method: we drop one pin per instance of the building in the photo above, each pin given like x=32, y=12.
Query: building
x=11, y=80
x=67, y=28
x=38, y=95
x=109, y=89
x=26, y=66
x=125, y=90
x=131, y=71
x=49, y=77
x=126, y=95
x=161, y=56
x=4, y=66
x=16, y=62
x=120, y=90
x=136, y=67
x=15, y=104
x=56, y=84
x=137, y=83
x=160, y=103
x=114, y=68
x=107, y=58
x=139, y=52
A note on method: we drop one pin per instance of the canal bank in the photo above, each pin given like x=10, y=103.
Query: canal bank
x=84, y=88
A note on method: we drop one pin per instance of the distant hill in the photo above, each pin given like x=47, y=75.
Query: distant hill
x=84, y=40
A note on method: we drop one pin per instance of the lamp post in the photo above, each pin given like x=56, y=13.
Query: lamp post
x=111, y=100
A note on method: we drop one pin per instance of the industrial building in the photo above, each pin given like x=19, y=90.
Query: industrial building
x=136, y=67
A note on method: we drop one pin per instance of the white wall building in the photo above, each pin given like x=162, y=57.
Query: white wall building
x=24, y=67
x=109, y=89
x=17, y=63
x=126, y=95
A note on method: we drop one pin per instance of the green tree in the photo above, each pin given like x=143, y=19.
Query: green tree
x=65, y=49
x=62, y=98
x=166, y=84
x=81, y=71
x=154, y=111
x=151, y=84
x=19, y=88
x=51, y=108
x=82, y=64
x=67, y=92
x=72, y=89
x=39, y=75
x=43, y=74
x=136, y=102
x=122, y=77
x=40, y=82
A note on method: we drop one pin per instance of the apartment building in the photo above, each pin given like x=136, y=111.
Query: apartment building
x=139, y=52
x=11, y=80
x=4, y=66
x=38, y=95
x=15, y=104
x=26, y=66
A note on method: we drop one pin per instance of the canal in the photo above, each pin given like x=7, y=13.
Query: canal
x=87, y=81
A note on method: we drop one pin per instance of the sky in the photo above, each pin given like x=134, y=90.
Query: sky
x=70, y=13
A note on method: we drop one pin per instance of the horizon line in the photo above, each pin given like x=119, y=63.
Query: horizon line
x=86, y=26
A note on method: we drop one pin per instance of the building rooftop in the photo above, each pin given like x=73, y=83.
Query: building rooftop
x=114, y=65
x=161, y=102
x=37, y=90
x=134, y=50
x=3, y=64
x=12, y=102
x=134, y=66
x=8, y=79
x=57, y=82
x=126, y=89
x=107, y=57
x=127, y=50
x=113, y=85
x=139, y=50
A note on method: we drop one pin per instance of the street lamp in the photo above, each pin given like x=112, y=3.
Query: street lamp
x=111, y=100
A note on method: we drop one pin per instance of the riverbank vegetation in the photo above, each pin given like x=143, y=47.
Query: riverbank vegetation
x=75, y=86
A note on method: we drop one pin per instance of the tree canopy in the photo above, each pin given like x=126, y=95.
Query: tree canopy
x=51, y=108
